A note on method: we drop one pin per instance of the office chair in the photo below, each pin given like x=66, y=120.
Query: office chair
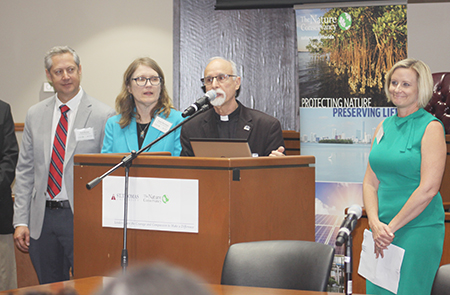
x=439, y=104
x=441, y=285
x=299, y=265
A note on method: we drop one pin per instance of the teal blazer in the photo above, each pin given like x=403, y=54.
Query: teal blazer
x=124, y=140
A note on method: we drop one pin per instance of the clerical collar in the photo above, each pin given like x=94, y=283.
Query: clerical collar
x=231, y=116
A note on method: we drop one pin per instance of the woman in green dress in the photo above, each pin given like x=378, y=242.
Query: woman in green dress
x=403, y=177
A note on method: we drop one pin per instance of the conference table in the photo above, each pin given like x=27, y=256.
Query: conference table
x=90, y=285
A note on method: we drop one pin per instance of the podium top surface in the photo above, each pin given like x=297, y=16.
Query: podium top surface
x=156, y=160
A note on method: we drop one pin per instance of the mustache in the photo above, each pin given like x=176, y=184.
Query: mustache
x=218, y=101
x=220, y=91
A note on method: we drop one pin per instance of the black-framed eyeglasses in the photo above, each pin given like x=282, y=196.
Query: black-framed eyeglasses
x=142, y=81
x=220, y=78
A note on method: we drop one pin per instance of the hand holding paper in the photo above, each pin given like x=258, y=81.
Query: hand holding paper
x=382, y=271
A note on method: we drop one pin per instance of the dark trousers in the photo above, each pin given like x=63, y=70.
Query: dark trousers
x=52, y=253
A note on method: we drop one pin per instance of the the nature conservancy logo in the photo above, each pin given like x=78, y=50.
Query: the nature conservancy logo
x=149, y=198
x=165, y=199
x=345, y=21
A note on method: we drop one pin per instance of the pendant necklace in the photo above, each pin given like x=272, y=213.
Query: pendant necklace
x=142, y=133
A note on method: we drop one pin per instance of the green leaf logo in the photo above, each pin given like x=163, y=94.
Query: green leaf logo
x=165, y=199
x=345, y=21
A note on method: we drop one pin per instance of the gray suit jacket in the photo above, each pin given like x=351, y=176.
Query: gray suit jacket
x=34, y=156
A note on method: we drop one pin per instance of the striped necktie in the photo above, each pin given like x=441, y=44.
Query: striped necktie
x=58, y=153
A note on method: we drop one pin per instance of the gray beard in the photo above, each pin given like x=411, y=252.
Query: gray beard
x=217, y=102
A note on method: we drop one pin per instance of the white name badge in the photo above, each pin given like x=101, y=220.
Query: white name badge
x=380, y=134
x=84, y=134
x=161, y=124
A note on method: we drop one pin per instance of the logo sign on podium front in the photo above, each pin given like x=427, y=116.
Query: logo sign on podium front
x=162, y=204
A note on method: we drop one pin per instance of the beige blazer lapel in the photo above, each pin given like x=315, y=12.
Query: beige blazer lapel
x=46, y=128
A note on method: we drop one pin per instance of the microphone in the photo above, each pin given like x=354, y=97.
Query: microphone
x=353, y=214
x=209, y=96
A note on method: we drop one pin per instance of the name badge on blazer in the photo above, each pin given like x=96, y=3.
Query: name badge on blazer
x=380, y=134
x=84, y=134
x=161, y=124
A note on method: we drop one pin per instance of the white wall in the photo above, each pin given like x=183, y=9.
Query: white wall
x=107, y=35
x=429, y=34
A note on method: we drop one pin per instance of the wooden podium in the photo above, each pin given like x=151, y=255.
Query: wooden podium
x=240, y=199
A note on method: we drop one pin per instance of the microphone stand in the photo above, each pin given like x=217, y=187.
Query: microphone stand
x=124, y=256
x=127, y=162
x=349, y=261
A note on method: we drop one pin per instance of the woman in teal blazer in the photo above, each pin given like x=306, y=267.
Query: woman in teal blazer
x=145, y=112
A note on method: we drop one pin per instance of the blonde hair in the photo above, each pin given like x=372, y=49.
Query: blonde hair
x=125, y=104
x=424, y=79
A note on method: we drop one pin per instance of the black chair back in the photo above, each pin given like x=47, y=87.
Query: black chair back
x=299, y=265
x=441, y=285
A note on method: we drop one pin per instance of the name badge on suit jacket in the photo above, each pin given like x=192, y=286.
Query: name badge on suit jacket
x=84, y=134
x=380, y=134
x=161, y=124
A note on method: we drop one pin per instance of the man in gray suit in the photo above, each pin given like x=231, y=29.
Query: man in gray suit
x=43, y=209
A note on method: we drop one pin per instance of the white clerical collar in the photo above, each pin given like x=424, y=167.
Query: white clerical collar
x=224, y=118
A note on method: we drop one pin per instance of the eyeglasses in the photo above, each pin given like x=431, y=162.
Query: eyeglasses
x=142, y=81
x=220, y=78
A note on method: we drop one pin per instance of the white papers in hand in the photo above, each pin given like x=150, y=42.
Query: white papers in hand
x=383, y=272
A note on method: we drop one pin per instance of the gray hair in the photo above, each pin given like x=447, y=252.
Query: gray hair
x=233, y=64
x=59, y=50
x=233, y=70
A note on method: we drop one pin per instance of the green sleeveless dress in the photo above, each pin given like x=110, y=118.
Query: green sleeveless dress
x=395, y=158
